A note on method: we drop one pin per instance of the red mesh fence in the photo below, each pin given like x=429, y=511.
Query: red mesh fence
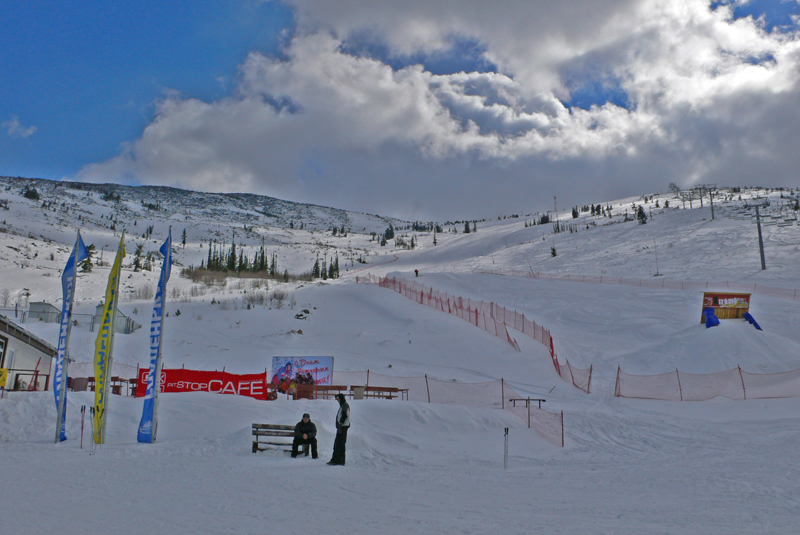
x=490, y=317
x=491, y=394
x=731, y=384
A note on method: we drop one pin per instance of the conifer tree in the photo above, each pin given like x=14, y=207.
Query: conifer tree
x=315, y=270
x=466, y=228
x=231, y=264
x=324, y=270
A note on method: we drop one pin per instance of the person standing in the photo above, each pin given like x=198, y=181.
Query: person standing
x=305, y=432
x=342, y=426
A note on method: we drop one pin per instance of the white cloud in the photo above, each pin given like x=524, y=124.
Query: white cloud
x=710, y=99
x=16, y=129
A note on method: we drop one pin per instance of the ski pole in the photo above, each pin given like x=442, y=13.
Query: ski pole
x=83, y=418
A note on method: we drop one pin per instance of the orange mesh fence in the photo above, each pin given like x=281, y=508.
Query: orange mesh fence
x=490, y=317
x=490, y=394
x=732, y=384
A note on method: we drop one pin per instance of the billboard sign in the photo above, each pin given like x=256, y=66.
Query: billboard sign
x=302, y=370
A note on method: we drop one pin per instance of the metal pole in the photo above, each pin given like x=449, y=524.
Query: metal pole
x=711, y=199
x=656, y=250
x=760, y=239
x=83, y=418
x=505, y=453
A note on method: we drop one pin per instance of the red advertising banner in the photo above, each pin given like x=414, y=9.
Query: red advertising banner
x=253, y=385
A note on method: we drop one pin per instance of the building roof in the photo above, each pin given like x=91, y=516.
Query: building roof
x=11, y=328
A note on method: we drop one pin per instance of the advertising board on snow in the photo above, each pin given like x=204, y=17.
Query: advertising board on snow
x=253, y=385
x=306, y=370
x=726, y=305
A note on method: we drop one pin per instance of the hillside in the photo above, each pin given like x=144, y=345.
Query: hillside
x=628, y=465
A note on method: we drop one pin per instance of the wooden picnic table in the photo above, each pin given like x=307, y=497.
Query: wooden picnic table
x=527, y=401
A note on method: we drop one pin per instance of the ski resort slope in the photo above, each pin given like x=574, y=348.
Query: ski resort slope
x=629, y=466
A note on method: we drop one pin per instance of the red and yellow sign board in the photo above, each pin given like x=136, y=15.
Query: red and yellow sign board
x=726, y=305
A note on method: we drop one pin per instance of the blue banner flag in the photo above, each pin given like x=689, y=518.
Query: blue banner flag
x=149, y=423
x=68, y=278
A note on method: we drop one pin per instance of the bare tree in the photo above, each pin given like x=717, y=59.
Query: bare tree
x=5, y=296
x=278, y=297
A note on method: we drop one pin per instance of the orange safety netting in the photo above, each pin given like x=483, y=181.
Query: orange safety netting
x=491, y=317
x=732, y=384
x=490, y=394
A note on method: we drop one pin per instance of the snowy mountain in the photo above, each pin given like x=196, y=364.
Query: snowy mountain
x=618, y=293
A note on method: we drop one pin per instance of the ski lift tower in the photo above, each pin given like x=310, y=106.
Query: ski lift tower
x=759, y=203
x=707, y=188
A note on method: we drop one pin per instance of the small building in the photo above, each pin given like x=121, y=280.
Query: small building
x=45, y=312
x=726, y=305
x=122, y=323
x=20, y=352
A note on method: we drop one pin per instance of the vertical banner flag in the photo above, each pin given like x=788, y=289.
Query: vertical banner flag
x=148, y=426
x=104, y=346
x=68, y=278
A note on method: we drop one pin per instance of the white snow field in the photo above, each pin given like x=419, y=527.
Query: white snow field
x=629, y=466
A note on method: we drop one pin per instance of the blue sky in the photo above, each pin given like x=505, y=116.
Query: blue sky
x=85, y=74
x=381, y=107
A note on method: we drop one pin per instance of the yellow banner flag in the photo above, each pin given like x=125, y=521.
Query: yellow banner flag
x=103, y=346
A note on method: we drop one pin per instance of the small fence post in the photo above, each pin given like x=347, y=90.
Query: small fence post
x=744, y=391
x=503, y=392
x=529, y=411
x=679, y=383
x=367, y=377
x=428, y=387
x=562, y=428
x=617, y=392
x=589, y=386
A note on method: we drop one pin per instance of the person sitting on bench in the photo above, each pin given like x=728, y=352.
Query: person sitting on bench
x=305, y=432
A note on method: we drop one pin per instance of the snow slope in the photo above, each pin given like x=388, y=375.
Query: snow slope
x=629, y=466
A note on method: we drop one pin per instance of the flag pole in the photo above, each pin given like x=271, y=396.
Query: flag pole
x=62, y=388
x=159, y=359
x=110, y=361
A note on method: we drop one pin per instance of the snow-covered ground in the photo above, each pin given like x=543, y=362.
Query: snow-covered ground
x=629, y=466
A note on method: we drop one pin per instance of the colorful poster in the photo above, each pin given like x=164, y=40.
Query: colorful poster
x=725, y=300
x=104, y=346
x=68, y=279
x=301, y=370
x=148, y=425
x=253, y=385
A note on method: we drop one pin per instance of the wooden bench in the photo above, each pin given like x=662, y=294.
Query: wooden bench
x=274, y=436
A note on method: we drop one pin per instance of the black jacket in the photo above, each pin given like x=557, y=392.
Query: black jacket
x=303, y=428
